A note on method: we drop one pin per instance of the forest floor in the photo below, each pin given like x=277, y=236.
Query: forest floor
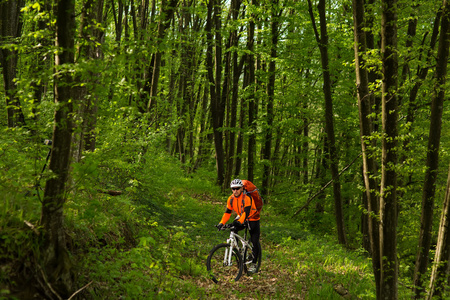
x=272, y=282
x=283, y=275
x=171, y=236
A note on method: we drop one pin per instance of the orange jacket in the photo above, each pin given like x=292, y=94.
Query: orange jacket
x=242, y=205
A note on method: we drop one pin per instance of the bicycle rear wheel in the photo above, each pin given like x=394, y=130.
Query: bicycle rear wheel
x=218, y=267
x=248, y=258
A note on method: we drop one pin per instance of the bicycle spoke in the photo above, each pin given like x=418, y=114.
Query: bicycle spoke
x=219, y=267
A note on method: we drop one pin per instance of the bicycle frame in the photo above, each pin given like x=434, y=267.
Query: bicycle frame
x=233, y=241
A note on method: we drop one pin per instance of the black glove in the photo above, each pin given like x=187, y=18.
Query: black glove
x=219, y=226
x=237, y=224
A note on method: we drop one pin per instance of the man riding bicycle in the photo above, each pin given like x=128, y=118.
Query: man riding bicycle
x=246, y=210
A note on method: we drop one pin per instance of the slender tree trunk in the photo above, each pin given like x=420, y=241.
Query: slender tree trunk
x=204, y=115
x=421, y=74
x=41, y=62
x=214, y=77
x=57, y=265
x=322, y=41
x=366, y=129
x=234, y=40
x=441, y=264
x=251, y=98
x=186, y=72
x=84, y=139
x=267, y=150
x=242, y=113
x=167, y=12
x=433, y=162
x=388, y=200
x=305, y=146
x=225, y=99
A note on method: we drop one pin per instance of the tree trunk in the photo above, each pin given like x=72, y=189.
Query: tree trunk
x=388, y=200
x=225, y=100
x=366, y=130
x=234, y=41
x=322, y=41
x=10, y=28
x=57, y=265
x=251, y=99
x=168, y=10
x=432, y=165
x=305, y=147
x=87, y=110
x=242, y=113
x=421, y=74
x=214, y=83
x=441, y=264
x=267, y=150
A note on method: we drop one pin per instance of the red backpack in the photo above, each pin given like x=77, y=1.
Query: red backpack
x=252, y=191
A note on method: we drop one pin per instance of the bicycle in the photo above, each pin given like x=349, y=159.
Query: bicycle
x=227, y=261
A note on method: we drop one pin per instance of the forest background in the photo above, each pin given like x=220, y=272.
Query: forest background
x=335, y=109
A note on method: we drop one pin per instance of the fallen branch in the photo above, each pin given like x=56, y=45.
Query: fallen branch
x=325, y=186
x=32, y=227
x=73, y=295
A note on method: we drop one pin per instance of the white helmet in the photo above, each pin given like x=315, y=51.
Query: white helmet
x=236, y=183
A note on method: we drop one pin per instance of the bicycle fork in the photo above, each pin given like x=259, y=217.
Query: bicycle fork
x=229, y=252
x=227, y=257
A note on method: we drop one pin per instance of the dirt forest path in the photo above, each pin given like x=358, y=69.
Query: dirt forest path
x=274, y=281
x=277, y=278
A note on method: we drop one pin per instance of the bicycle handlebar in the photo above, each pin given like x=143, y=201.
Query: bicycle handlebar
x=226, y=226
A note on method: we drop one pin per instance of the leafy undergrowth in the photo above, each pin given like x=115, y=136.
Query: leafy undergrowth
x=174, y=239
x=157, y=250
x=145, y=233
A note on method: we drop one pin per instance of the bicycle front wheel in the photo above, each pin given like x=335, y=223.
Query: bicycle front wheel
x=220, y=268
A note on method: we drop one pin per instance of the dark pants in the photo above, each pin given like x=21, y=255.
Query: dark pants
x=255, y=233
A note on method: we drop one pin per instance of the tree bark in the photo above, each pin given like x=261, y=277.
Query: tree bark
x=322, y=41
x=214, y=77
x=440, y=270
x=87, y=110
x=421, y=74
x=267, y=150
x=366, y=129
x=57, y=264
x=242, y=113
x=431, y=172
x=233, y=103
x=10, y=28
x=167, y=12
x=432, y=164
x=388, y=200
x=251, y=150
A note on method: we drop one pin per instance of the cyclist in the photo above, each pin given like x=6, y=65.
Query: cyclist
x=245, y=208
